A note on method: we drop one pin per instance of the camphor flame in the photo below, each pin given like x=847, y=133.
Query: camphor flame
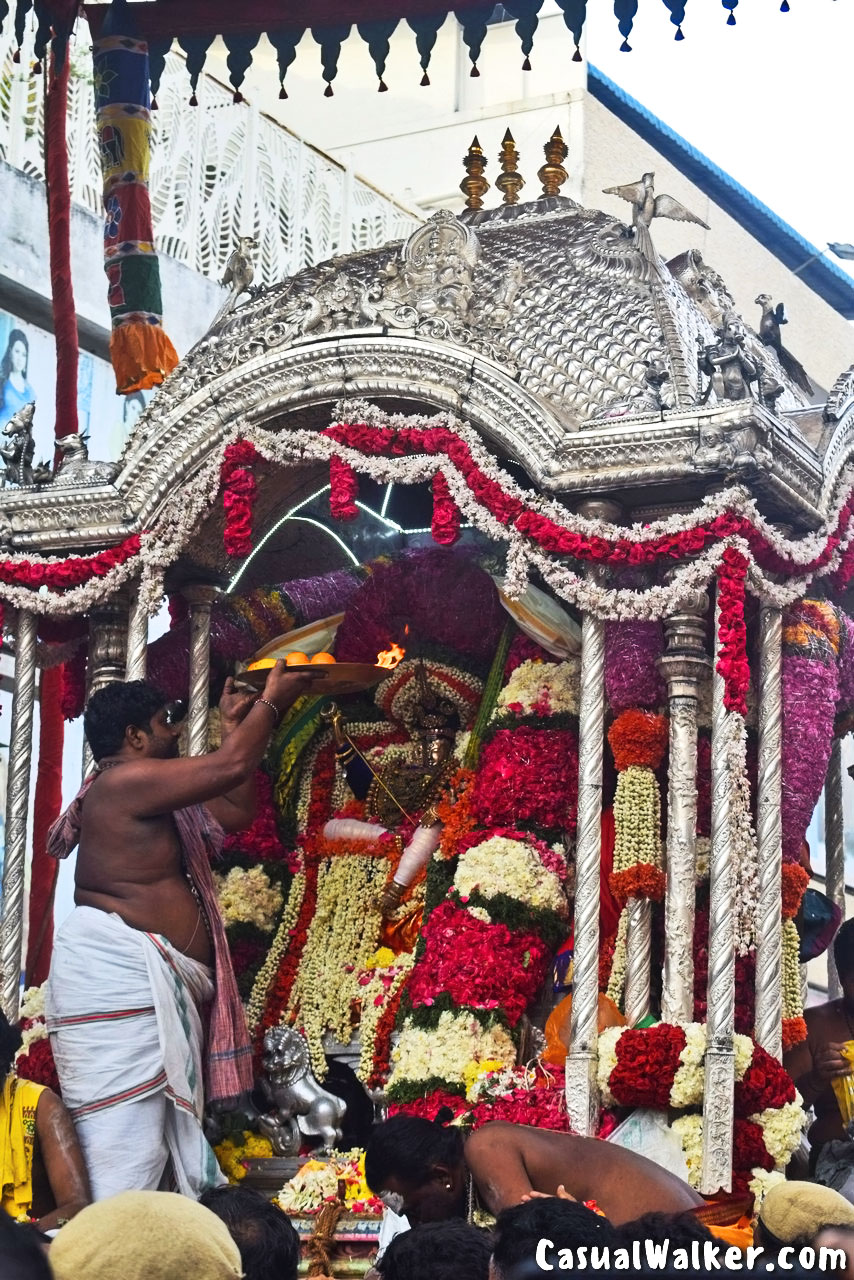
x=389, y=658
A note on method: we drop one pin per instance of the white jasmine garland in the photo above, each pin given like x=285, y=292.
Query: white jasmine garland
x=607, y=1061
x=248, y=897
x=781, y=1129
x=513, y=867
x=457, y=1040
x=744, y=851
x=550, y=687
x=617, y=978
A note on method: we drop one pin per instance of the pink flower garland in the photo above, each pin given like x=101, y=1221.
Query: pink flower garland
x=479, y=965
x=239, y=488
x=528, y=775
x=732, y=633
x=445, y=526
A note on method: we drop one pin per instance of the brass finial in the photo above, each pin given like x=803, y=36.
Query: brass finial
x=509, y=181
x=553, y=175
x=474, y=186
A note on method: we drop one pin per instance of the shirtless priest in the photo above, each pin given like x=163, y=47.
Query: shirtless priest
x=142, y=1007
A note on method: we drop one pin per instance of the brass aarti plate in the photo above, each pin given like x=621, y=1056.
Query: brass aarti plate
x=331, y=677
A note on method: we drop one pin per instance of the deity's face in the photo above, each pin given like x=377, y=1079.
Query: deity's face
x=734, y=330
x=434, y=750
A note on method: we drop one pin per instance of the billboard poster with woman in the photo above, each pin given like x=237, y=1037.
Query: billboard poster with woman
x=28, y=373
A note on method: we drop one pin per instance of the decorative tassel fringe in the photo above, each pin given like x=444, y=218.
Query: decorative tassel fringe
x=16, y=56
x=731, y=20
x=474, y=73
x=425, y=80
x=37, y=68
x=784, y=7
x=526, y=65
x=382, y=87
x=679, y=34
x=625, y=47
x=576, y=57
x=142, y=356
x=238, y=96
x=154, y=106
x=283, y=93
x=327, y=92
x=194, y=102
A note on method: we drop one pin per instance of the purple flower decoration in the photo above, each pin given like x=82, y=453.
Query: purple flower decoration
x=113, y=211
x=632, y=678
x=810, y=689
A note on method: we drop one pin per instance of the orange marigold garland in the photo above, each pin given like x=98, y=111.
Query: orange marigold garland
x=455, y=813
x=638, y=740
x=795, y=881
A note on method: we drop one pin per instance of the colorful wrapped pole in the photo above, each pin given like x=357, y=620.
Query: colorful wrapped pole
x=141, y=353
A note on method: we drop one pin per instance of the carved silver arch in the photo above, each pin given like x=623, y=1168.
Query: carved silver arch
x=172, y=441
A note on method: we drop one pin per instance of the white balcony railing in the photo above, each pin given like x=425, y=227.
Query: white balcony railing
x=218, y=171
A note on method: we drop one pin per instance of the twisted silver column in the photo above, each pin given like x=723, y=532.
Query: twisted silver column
x=716, y=1172
x=683, y=666
x=200, y=600
x=137, y=642
x=834, y=852
x=17, y=804
x=581, y=1059
x=638, y=959
x=769, y=834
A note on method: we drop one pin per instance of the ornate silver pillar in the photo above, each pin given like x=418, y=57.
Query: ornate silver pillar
x=137, y=641
x=638, y=959
x=769, y=834
x=108, y=630
x=581, y=1098
x=17, y=804
x=200, y=600
x=683, y=665
x=720, y=1017
x=834, y=852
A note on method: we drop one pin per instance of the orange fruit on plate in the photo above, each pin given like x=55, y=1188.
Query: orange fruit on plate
x=321, y=658
x=296, y=659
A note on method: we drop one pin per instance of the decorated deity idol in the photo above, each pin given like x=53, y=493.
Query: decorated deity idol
x=400, y=790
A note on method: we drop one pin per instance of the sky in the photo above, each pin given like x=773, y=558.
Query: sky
x=769, y=100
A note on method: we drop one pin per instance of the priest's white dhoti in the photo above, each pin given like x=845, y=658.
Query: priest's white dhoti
x=124, y=1013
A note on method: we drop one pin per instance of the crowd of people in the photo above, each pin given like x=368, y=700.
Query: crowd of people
x=235, y=1232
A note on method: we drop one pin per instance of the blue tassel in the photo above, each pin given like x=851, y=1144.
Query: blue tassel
x=625, y=47
x=679, y=35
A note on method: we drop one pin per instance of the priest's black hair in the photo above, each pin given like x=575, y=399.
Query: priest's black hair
x=409, y=1147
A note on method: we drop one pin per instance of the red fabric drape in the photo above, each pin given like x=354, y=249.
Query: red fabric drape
x=47, y=806
x=59, y=236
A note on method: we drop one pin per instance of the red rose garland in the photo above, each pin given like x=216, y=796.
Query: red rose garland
x=479, y=965
x=647, y=1061
x=239, y=488
x=343, y=489
x=508, y=509
x=445, y=526
x=732, y=633
x=528, y=775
